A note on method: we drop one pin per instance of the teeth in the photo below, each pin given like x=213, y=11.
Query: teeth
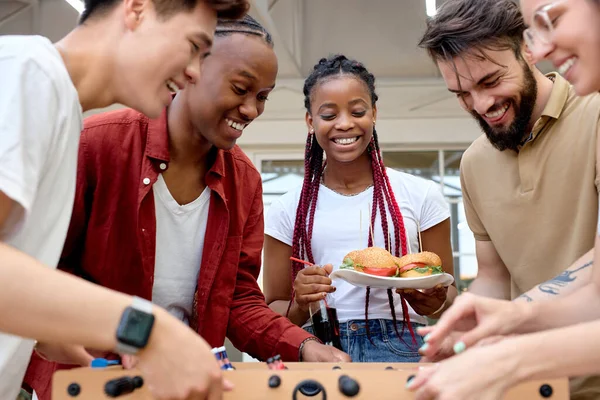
x=345, y=141
x=566, y=65
x=172, y=86
x=235, y=125
x=497, y=114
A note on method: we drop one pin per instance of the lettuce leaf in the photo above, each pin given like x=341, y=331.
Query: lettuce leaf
x=434, y=270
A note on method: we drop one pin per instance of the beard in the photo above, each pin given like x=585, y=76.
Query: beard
x=510, y=137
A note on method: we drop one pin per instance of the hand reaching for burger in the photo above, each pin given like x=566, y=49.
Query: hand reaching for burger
x=312, y=284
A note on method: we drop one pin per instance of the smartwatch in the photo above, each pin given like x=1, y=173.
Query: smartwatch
x=135, y=327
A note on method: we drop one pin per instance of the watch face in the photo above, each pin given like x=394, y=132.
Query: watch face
x=135, y=327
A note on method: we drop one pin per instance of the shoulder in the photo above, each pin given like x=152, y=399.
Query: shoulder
x=411, y=183
x=241, y=162
x=479, y=150
x=121, y=117
x=27, y=48
x=583, y=107
x=113, y=126
x=29, y=56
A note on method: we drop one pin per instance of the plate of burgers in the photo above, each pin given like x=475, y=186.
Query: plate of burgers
x=376, y=268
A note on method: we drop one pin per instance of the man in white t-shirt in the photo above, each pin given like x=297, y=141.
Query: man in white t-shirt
x=45, y=90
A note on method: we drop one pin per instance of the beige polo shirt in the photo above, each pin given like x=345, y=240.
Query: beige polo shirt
x=538, y=206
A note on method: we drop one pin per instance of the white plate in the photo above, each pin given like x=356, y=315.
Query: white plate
x=357, y=278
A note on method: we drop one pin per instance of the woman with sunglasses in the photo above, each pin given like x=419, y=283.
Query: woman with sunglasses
x=559, y=338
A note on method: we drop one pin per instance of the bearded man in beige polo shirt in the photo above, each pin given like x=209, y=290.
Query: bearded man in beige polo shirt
x=530, y=184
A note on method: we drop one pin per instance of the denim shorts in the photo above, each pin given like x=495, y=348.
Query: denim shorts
x=385, y=344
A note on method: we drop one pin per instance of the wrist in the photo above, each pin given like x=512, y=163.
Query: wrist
x=302, y=346
x=438, y=313
x=135, y=326
x=527, y=313
x=509, y=362
x=516, y=369
x=297, y=315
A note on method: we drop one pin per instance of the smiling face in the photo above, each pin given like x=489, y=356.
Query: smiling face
x=342, y=117
x=236, y=80
x=159, y=55
x=500, y=94
x=573, y=44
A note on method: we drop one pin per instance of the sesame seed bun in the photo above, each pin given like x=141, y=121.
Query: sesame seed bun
x=424, y=257
x=372, y=257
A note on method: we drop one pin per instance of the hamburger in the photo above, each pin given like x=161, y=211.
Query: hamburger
x=379, y=262
x=419, y=264
x=372, y=260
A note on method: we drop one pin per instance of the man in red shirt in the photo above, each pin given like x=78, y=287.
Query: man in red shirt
x=171, y=210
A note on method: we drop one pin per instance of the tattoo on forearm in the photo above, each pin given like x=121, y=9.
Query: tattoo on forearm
x=554, y=285
x=526, y=297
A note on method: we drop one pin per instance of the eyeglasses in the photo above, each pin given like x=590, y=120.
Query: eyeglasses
x=542, y=26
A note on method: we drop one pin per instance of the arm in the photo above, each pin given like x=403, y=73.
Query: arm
x=70, y=259
x=432, y=303
x=572, y=279
x=572, y=352
x=276, y=281
x=567, y=309
x=493, y=278
x=56, y=307
x=548, y=355
x=253, y=327
x=437, y=240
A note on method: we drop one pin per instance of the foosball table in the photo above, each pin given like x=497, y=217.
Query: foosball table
x=256, y=381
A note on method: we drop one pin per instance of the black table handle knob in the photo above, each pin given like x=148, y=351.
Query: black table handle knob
x=124, y=385
x=274, y=381
x=546, y=391
x=348, y=386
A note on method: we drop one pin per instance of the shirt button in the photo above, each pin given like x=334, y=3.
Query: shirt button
x=163, y=166
x=146, y=181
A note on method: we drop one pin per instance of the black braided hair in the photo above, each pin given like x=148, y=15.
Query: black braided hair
x=332, y=67
x=246, y=26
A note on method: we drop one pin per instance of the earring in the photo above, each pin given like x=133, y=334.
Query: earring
x=311, y=131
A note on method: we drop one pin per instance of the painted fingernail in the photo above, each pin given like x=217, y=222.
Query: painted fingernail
x=409, y=383
x=424, y=347
x=427, y=337
x=459, y=347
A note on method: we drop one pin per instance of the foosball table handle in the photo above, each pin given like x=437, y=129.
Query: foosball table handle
x=125, y=385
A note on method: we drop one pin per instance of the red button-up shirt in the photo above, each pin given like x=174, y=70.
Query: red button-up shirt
x=112, y=236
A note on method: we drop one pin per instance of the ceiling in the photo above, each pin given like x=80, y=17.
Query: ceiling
x=383, y=34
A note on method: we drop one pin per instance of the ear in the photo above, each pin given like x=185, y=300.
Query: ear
x=374, y=114
x=309, y=121
x=134, y=11
x=528, y=55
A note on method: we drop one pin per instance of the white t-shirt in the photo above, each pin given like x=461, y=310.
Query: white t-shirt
x=40, y=124
x=338, y=229
x=180, y=231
